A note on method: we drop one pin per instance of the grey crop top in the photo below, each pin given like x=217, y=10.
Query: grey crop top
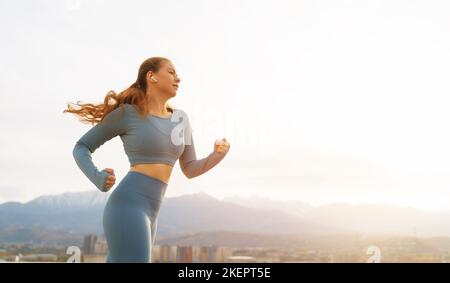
x=149, y=139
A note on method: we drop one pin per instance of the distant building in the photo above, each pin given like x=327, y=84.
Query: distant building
x=156, y=253
x=268, y=259
x=91, y=258
x=240, y=259
x=164, y=253
x=38, y=258
x=89, y=244
x=100, y=246
x=207, y=254
x=184, y=254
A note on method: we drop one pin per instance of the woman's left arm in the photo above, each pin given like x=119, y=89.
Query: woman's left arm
x=191, y=167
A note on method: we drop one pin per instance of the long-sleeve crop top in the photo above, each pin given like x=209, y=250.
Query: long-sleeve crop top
x=148, y=139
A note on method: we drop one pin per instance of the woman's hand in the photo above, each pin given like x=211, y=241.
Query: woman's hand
x=111, y=178
x=221, y=146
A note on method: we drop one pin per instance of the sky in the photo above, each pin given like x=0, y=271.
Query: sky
x=321, y=101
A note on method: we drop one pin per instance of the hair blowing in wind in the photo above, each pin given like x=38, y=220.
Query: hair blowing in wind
x=90, y=113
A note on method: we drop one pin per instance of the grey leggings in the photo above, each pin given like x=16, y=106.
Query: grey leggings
x=130, y=218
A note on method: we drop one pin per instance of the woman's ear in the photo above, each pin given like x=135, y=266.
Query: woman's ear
x=149, y=75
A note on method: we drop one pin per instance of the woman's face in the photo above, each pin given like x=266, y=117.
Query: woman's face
x=167, y=78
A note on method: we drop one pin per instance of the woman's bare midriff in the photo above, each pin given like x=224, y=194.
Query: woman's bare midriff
x=158, y=171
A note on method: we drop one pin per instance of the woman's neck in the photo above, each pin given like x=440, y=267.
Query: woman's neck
x=158, y=106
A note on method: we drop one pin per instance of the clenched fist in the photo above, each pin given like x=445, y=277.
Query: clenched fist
x=222, y=146
x=111, y=179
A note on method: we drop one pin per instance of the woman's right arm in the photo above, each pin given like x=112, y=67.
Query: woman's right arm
x=113, y=124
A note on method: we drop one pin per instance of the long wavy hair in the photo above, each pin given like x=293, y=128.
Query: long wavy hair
x=90, y=113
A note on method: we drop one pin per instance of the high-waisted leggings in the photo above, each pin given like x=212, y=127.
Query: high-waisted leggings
x=130, y=218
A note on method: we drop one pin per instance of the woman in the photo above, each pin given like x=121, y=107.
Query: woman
x=154, y=135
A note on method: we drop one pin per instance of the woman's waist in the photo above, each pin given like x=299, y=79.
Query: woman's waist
x=159, y=171
x=139, y=187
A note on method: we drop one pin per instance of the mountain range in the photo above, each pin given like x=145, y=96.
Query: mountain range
x=64, y=218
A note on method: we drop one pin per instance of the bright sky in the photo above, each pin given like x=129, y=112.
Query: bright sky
x=321, y=101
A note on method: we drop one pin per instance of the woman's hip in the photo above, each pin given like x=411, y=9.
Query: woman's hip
x=138, y=191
